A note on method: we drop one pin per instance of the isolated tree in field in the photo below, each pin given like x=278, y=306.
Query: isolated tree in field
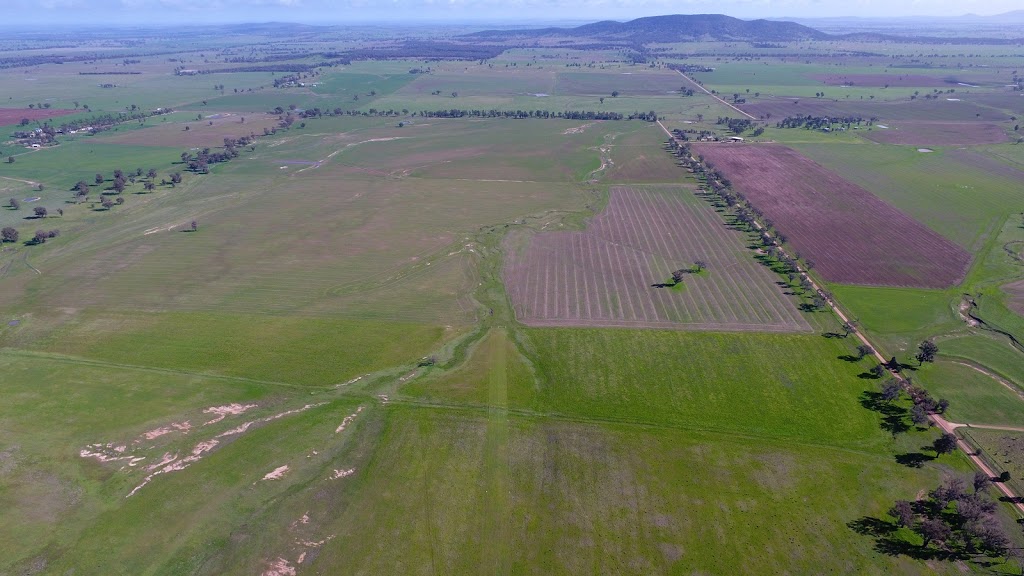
x=615, y=93
x=39, y=211
x=148, y=186
x=864, y=350
x=119, y=201
x=677, y=276
x=8, y=234
x=877, y=370
x=99, y=179
x=14, y=204
x=10, y=159
x=903, y=512
x=195, y=226
x=40, y=237
x=118, y=185
x=944, y=444
x=926, y=352
x=700, y=265
x=107, y=203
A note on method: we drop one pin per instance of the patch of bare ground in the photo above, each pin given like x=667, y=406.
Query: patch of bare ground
x=16, y=115
x=200, y=133
x=852, y=236
x=1015, y=291
x=614, y=273
x=939, y=133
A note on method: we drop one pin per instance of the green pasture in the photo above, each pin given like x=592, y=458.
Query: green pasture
x=974, y=397
x=900, y=318
x=334, y=258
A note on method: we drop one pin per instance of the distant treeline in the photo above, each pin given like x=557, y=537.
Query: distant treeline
x=125, y=73
x=546, y=114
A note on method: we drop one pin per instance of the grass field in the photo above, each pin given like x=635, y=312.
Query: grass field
x=974, y=397
x=334, y=372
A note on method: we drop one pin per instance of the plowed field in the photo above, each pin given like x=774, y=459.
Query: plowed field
x=16, y=115
x=852, y=236
x=603, y=276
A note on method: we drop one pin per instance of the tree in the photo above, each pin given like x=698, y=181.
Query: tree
x=700, y=265
x=39, y=211
x=14, y=204
x=40, y=237
x=903, y=512
x=119, y=201
x=944, y=444
x=107, y=203
x=149, y=186
x=10, y=159
x=926, y=352
x=99, y=179
x=195, y=226
x=151, y=174
x=942, y=405
x=934, y=531
x=981, y=481
x=918, y=415
x=615, y=93
x=891, y=390
x=8, y=234
x=118, y=185
x=864, y=350
x=877, y=370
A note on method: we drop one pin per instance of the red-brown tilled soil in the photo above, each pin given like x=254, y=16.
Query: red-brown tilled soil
x=852, y=236
x=16, y=115
x=939, y=134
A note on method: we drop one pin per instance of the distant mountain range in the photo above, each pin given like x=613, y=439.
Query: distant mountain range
x=673, y=28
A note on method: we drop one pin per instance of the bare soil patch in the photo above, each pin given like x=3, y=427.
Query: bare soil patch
x=939, y=133
x=1015, y=291
x=605, y=275
x=16, y=115
x=200, y=134
x=852, y=236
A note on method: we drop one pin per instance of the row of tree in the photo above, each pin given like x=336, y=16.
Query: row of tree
x=955, y=520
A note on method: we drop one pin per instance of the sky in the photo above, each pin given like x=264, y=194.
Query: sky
x=143, y=12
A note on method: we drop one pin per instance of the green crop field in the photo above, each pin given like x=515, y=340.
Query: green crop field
x=293, y=350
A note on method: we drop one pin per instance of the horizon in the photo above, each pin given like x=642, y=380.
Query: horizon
x=160, y=13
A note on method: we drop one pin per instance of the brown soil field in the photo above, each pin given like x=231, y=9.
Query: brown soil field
x=875, y=80
x=939, y=133
x=200, y=133
x=604, y=276
x=926, y=110
x=15, y=115
x=852, y=236
x=1015, y=291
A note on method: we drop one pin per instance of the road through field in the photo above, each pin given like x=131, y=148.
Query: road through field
x=697, y=84
x=945, y=426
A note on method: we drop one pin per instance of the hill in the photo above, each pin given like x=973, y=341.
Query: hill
x=674, y=28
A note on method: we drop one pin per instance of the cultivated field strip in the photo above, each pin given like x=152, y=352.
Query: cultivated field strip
x=852, y=236
x=603, y=276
